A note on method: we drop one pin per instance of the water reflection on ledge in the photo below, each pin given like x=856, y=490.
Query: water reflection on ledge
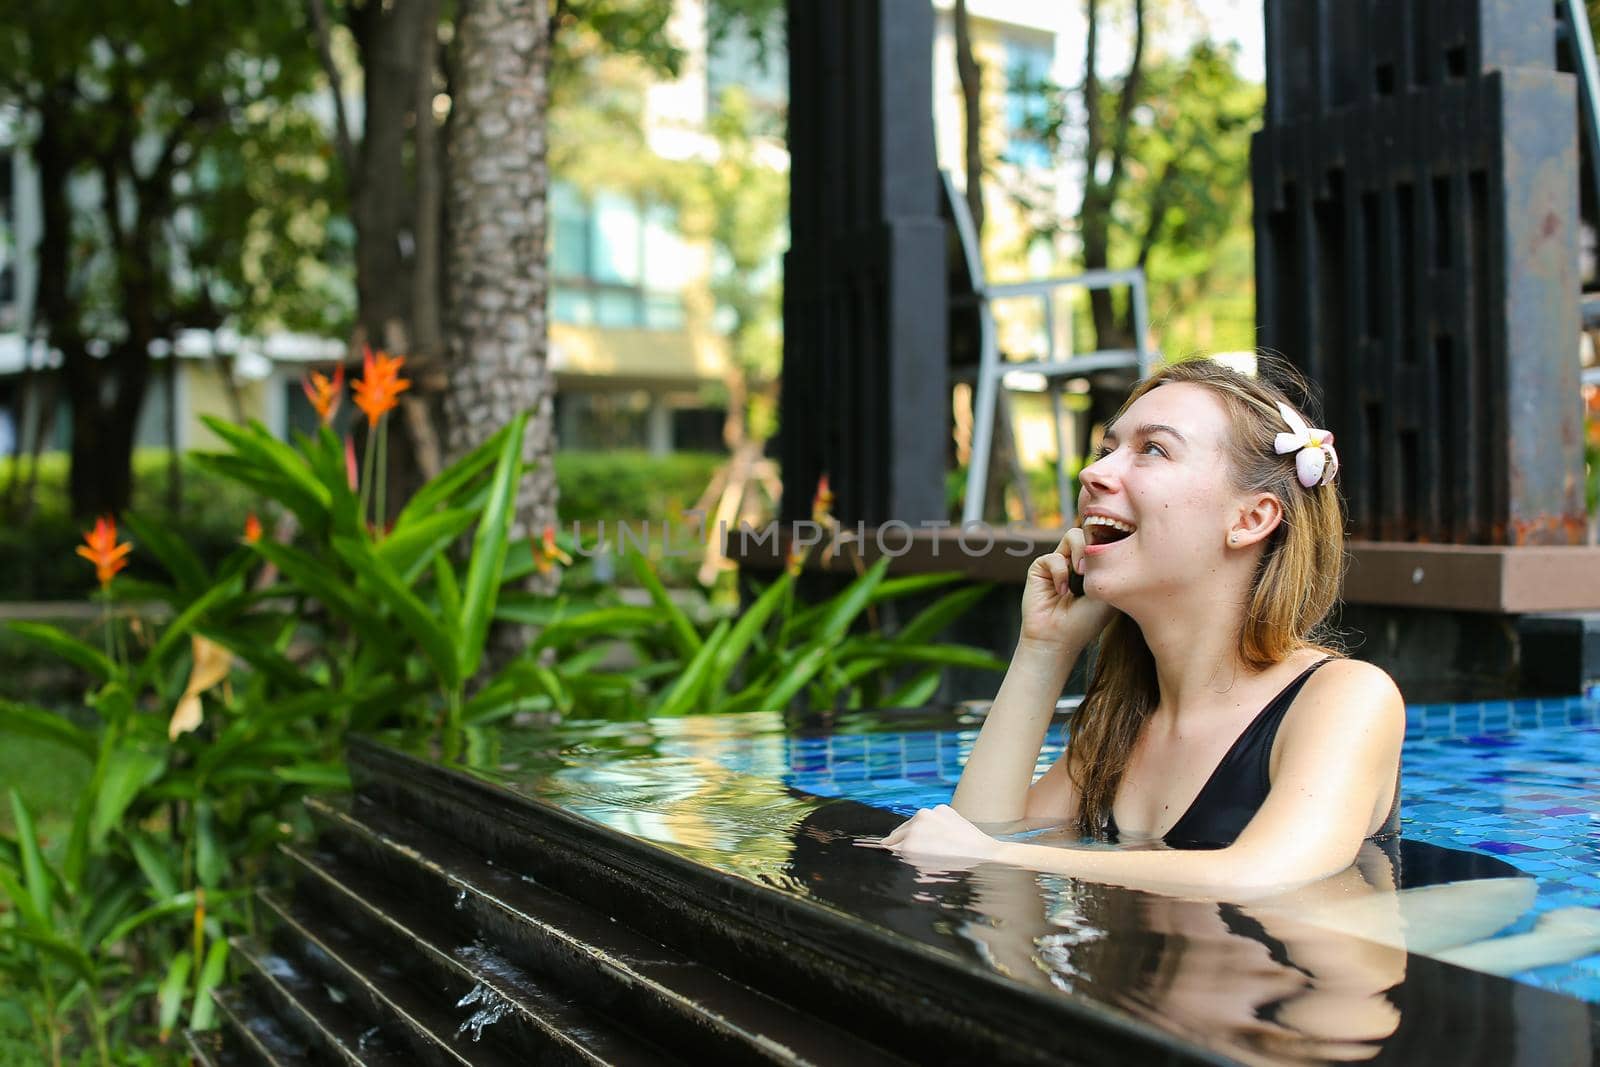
x=1321, y=975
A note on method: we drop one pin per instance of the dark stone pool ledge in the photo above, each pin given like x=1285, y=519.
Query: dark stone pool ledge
x=544, y=909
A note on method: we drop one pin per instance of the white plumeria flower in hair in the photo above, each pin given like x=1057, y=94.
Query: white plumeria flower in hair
x=1317, y=462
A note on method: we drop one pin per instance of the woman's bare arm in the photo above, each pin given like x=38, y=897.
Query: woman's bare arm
x=1056, y=627
x=1340, y=748
x=995, y=783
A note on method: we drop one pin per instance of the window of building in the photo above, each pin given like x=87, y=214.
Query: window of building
x=615, y=263
x=1028, y=86
x=603, y=420
x=569, y=254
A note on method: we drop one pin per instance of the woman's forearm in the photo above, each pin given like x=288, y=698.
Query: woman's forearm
x=994, y=784
x=1230, y=872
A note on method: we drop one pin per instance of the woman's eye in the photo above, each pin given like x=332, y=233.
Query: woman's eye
x=1102, y=452
x=1152, y=445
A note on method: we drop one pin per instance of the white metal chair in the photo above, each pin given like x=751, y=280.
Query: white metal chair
x=1056, y=368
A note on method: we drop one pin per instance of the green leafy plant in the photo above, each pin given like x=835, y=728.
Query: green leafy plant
x=204, y=731
x=775, y=652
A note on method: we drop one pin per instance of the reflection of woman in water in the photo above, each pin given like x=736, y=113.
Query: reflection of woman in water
x=1244, y=757
x=1210, y=548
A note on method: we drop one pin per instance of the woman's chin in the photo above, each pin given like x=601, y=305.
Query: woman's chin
x=1103, y=588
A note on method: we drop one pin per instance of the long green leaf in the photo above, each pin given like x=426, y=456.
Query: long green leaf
x=482, y=583
x=932, y=620
x=256, y=443
x=76, y=859
x=684, y=635
x=177, y=905
x=128, y=770
x=78, y=653
x=36, y=875
x=318, y=775
x=409, y=548
x=687, y=689
x=443, y=487
x=916, y=692
x=210, y=857
x=888, y=589
x=325, y=456
x=843, y=608
x=321, y=581
x=506, y=696
x=212, y=972
x=437, y=643
x=310, y=508
x=169, y=997
x=110, y=905
x=744, y=632
x=804, y=667
x=446, y=586
x=527, y=609
x=156, y=864
x=25, y=720
x=609, y=622
x=911, y=584
x=949, y=655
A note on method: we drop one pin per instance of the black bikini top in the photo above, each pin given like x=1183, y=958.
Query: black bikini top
x=1239, y=786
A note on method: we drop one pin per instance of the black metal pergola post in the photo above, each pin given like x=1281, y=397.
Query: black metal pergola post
x=865, y=381
x=1417, y=224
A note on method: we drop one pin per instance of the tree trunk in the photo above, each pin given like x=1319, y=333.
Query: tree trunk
x=381, y=200
x=498, y=278
x=100, y=481
x=971, y=77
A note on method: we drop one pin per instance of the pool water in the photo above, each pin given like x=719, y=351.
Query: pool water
x=1514, y=780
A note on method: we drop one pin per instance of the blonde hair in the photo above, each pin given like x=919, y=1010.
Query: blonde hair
x=1294, y=587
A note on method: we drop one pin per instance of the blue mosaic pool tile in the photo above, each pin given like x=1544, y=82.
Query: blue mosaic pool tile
x=1499, y=786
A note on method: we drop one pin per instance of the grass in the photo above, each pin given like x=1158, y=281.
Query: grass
x=49, y=778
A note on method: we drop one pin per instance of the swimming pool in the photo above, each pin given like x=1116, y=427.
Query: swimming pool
x=735, y=838
x=1516, y=780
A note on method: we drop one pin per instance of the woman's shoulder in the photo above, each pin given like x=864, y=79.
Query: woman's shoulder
x=1343, y=673
x=1352, y=692
x=1346, y=706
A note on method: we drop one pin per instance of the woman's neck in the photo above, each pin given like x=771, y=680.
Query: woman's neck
x=1194, y=641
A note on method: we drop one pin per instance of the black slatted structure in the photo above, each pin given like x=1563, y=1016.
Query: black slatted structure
x=1416, y=215
x=865, y=380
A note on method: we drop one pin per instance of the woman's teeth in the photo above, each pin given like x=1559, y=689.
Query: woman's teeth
x=1101, y=530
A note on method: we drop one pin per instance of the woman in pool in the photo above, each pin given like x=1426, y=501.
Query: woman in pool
x=1211, y=548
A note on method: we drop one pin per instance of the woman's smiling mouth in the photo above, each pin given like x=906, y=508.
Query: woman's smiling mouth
x=1101, y=531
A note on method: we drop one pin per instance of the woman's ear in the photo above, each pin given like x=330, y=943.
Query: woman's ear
x=1256, y=520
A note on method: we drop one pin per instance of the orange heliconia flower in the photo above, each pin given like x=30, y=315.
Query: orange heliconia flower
x=380, y=386
x=350, y=463
x=324, y=392
x=252, y=529
x=547, y=554
x=822, y=503
x=100, y=548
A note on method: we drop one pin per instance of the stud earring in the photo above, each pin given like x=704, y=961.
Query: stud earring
x=1233, y=539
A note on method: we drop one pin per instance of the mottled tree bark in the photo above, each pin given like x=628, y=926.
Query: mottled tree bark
x=496, y=333
x=1111, y=329
x=970, y=74
x=381, y=198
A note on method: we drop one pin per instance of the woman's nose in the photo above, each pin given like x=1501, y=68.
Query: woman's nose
x=1097, y=476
